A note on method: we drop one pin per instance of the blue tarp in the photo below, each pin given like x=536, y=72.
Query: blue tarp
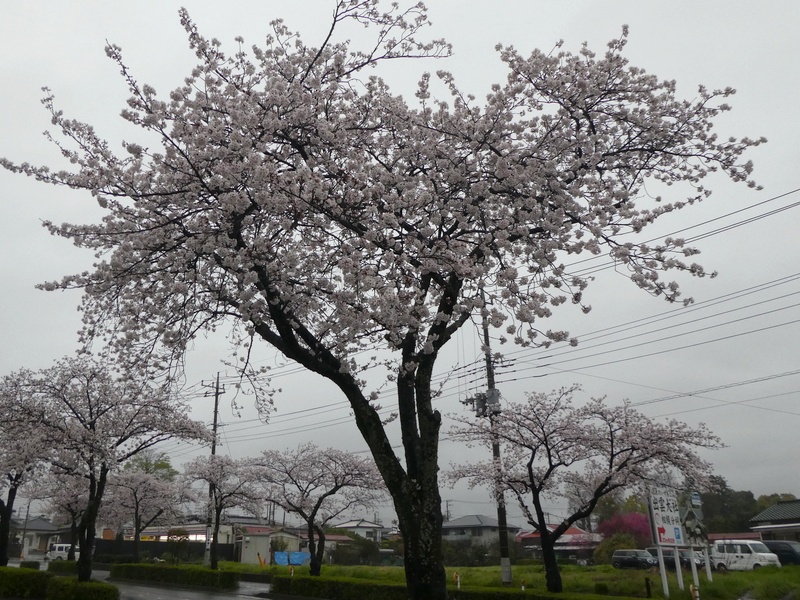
x=292, y=558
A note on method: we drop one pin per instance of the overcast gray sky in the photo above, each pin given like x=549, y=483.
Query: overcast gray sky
x=690, y=364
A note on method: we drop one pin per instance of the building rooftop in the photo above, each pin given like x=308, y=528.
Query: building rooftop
x=783, y=511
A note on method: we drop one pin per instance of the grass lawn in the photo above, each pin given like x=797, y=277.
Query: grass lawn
x=763, y=584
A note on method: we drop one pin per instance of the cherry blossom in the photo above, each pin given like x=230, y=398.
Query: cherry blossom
x=66, y=498
x=143, y=497
x=319, y=486
x=22, y=460
x=288, y=194
x=230, y=486
x=552, y=449
x=94, y=420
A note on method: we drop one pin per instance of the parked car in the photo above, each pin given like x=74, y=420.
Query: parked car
x=788, y=551
x=685, y=556
x=741, y=555
x=60, y=552
x=632, y=559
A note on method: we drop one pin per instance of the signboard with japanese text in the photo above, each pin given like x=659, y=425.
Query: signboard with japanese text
x=665, y=518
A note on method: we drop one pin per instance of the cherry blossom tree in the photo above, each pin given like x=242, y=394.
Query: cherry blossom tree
x=21, y=459
x=95, y=420
x=66, y=498
x=299, y=201
x=318, y=485
x=230, y=485
x=551, y=448
x=144, y=494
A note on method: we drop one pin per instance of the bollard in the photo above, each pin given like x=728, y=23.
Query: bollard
x=695, y=592
x=523, y=585
x=649, y=593
x=291, y=571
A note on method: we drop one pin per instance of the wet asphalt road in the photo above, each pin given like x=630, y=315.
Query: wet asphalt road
x=130, y=591
x=145, y=592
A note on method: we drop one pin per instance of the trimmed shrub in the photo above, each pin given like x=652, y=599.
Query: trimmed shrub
x=67, y=588
x=110, y=559
x=23, y=583
x=63, y=567
x=29, y=564
x=336, y=588
x=182, y=575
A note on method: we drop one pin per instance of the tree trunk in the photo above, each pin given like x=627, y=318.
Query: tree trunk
x=415, y=489
x=314, y=567
x=422, y=559
x=317, y=550
x=420, y=521
x=215, y=541
x=551, y=570
x=6, y=511
x=413, y=483
x=137, y=532
x=74, y=530
x=139, y=526
x=87, y=527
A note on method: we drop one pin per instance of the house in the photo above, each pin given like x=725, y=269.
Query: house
x=574, y=542
x=366, y=529
x=255, y=543
x=780, y=521
x=476, y=529
x=37, y=533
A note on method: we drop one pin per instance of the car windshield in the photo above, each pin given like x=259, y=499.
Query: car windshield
x=793, y=545
x=759, y=547
x=643, y=554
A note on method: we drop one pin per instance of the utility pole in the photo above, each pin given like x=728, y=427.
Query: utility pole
x=22, y=555
x=488, y=405
x=210, y=510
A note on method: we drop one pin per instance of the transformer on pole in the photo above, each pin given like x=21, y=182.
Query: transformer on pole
x=487, y=404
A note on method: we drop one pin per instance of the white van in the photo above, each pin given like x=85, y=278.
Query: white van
x=60, y=552
x=741, y=555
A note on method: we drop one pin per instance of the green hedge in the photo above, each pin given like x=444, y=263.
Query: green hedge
x=67, y=588
x=63, y=567
x=110, y=559
x=336, y=588
x=23, y=583
x=346, y=588
x=29, y=564
x=181, y=575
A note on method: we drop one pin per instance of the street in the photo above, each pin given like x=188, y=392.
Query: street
x=130, y=591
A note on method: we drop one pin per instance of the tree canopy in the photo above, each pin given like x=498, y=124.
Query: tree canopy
x=550, y=447
x=93, y=419
x=318, y=485
x=294, y=197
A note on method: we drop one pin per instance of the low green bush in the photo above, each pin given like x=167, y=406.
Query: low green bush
x=68, y=588
x=63, y=567
x=181, y=575
x=110, y=559
x=29, y=564
x=23, y=583
x=336, y=588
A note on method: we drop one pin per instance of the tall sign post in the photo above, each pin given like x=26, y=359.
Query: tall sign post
x=696, y=534
x=665, y=522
